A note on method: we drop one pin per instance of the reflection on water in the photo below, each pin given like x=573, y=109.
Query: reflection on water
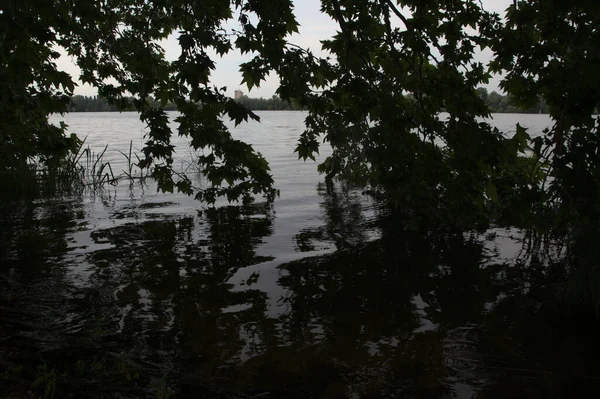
x=346, y=224
x=134, y=294
x=391, y=313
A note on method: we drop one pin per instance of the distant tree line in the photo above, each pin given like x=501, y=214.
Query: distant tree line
x=266, y=104
x=495, y=101
x=504, y=104
x=98, y=104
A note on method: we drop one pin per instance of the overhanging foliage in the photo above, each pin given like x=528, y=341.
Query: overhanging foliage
x=394, y=66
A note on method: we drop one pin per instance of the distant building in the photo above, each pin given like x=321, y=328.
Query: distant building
x=238, y=94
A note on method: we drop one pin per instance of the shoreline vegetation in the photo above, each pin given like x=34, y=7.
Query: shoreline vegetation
x=497, y=103
x=470, y=267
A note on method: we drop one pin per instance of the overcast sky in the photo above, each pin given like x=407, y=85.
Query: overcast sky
x=314, y=26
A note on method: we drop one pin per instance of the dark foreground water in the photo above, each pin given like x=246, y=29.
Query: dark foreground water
x=128, y=293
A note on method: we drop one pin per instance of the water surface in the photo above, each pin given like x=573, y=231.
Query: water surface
x=317, y=295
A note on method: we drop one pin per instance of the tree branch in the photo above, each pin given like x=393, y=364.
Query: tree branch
x=398, y=14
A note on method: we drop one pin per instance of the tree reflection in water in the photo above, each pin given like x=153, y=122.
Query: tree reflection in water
x=171, y=278
x=392, y=313
x=345, y=224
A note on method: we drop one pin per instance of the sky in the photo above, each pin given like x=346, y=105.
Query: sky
x=314, y=26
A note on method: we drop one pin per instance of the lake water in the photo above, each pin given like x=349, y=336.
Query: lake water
x=318, y=295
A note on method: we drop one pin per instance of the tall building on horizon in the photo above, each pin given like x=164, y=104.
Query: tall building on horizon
x=238, y=94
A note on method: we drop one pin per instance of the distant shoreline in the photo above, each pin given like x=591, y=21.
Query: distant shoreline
x=273, y=110
x=495, y=102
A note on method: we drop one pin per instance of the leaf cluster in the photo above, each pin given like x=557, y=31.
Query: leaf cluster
x=116, y=45
x=397, y=96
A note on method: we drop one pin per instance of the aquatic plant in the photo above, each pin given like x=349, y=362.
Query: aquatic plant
x=81, y=170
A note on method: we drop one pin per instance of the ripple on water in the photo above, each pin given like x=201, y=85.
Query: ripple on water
x=318, y=289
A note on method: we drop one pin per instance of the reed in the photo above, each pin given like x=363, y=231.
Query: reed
x=133, y=172
x=80, y=171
